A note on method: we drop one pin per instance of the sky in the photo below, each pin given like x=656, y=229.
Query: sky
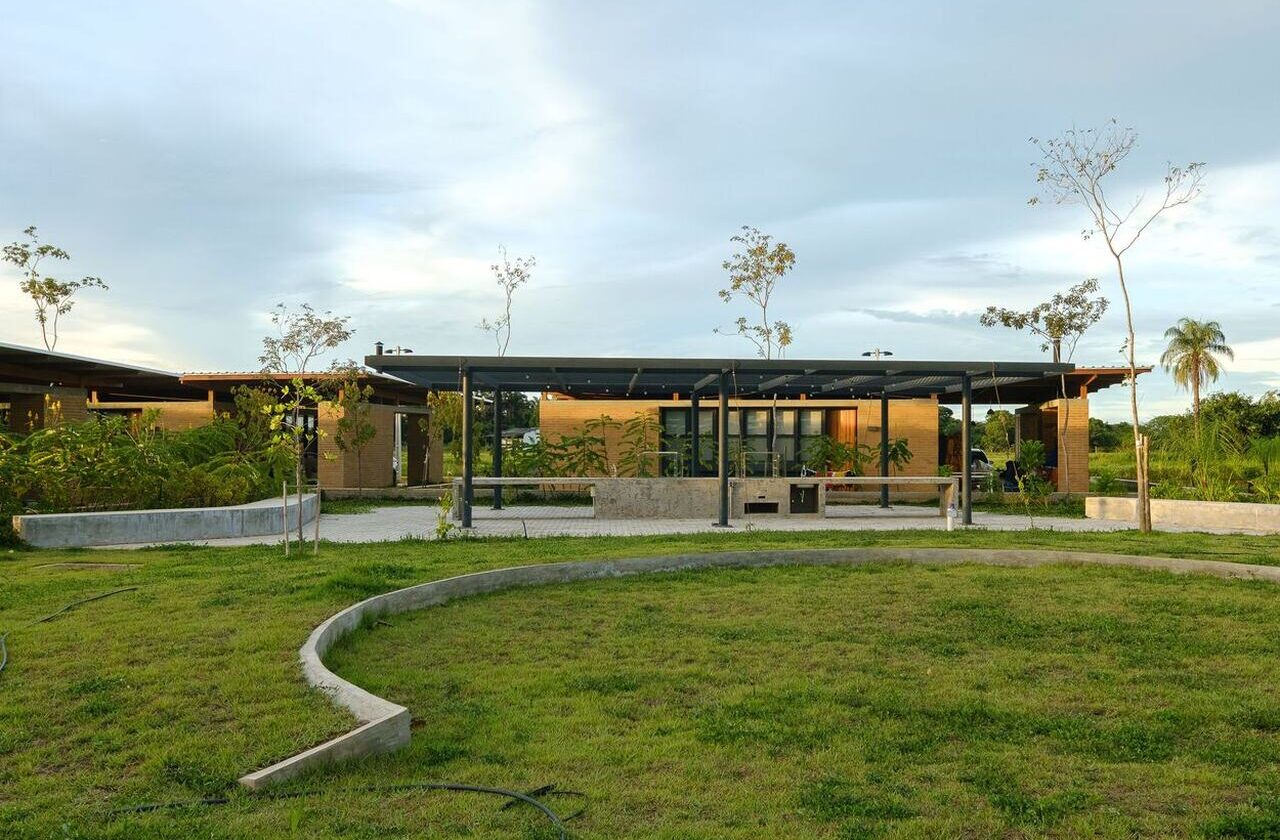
x=209, y=160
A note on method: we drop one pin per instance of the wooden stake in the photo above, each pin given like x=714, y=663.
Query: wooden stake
x=284, y=514
x=316, y=549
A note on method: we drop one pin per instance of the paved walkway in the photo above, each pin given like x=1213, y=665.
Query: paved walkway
x=419, y=521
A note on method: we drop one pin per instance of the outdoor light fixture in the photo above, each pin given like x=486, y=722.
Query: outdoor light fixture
x=877, y=353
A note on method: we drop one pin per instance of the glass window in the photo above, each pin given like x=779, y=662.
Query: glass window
x=707, y=421
x=758, y=421
x=735, y=427
x=786, y=451
x=785, y=422
x=675, y=421
x=811, y=422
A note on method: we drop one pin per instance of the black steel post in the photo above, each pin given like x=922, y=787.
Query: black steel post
x=464, y=385
x=884, y=449
x=966, y=455
x=497, y=446
x=722, y=450
x=695, y=456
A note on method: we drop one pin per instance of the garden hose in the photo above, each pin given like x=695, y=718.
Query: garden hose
x=4, y=649
x=514, y=797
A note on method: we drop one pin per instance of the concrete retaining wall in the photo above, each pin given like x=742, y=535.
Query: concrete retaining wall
x=1223, y=516
x=384, y=726
x=127, y=527
x=663, y=498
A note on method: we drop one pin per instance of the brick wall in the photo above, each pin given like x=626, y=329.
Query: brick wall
x=175, y=416
x=561, y=417
x=1073, y=436
x=32, y=411
x=336, y=468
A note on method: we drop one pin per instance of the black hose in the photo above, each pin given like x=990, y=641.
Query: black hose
x=513, y=795
x=4, y=649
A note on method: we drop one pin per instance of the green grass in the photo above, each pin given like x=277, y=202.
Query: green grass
x=892, y=701
x=175, y=690
x=368, y=504
x=343, y=507
x=1011, y=504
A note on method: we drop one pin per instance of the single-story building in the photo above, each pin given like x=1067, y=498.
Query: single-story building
x=39, y=388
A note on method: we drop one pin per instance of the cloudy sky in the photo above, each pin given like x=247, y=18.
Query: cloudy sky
x=209, y=160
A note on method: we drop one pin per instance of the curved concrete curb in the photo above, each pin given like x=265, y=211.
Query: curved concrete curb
x=385, y=725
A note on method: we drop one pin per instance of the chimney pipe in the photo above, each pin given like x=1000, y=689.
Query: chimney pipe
x=377, y=348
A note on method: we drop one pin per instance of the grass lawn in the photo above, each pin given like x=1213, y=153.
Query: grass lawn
x=893, y=701
x=510, y=497
x=176, y=689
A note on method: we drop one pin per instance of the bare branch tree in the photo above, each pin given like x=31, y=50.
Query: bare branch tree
x=302, y=335
x=1059, y=321
x=49, y=295
x=1073, y=170
x=754, y=273
x=510, y=276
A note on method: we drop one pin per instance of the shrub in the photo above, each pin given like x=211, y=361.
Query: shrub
x=111, y=463
x=1105, y=483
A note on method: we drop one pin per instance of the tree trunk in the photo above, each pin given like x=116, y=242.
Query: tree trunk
x=1195, y=396
x=1140, y=463
x=298, y=471
x=1063, y=427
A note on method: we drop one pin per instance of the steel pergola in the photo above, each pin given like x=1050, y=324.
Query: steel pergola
x=639, y=378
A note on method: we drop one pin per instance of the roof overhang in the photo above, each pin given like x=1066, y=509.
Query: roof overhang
x=35, y=367
x=638, y=378
x=385, y=388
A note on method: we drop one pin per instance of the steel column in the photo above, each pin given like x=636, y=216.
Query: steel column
x=722, y=450
x=464, y=385
x=884, y=449
x=695, y=455
x=497, y=446
x=966, y=462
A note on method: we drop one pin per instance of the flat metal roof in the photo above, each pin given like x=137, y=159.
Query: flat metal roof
x=385, y=387
x=636, y=378
x=36, y=366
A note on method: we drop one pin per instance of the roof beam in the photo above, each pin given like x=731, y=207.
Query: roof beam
x=779, y=381
x=851, y=381
x=705, y=381
x=912, y=384
x=634, y=379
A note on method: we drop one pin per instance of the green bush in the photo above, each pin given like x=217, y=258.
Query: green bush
x=118, y=463
x=1105, y=483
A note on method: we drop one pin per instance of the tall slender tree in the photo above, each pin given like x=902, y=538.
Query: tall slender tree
x=302, y=336
x=754, y=272
x=53, y=298
x=510, y=276
x=1059, y=322
x=1076, y=168
x=1192, y=356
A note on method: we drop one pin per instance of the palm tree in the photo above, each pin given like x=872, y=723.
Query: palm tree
x=1192, y=355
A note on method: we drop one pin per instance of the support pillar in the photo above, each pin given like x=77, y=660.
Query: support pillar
x=497, y=446
x=966, y=458
x=722, y=451
x=695, y=456
x=884, y=449
x=464, y=385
